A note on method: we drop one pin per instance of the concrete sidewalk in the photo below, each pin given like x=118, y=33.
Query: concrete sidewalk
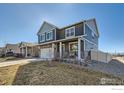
x=23, y=61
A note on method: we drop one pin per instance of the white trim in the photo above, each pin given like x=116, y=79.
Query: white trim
x=52, y=29
x=60, y=49
x=76, y=42
x=26, y=54
x=48, y=33
x=55, y=34
x=84, y=28
x=92, y=29
x=63, y=46
x=84, y=45
x=72, y=24
x=82, y=38
x=22, y=51
x=76, y=37
x=69, y=39
x=53, y=47
x=86, y=35
x=41, y=36
x=72, y=43
x=47, y=24
x=68, y=29
x=93, y=35
x=90, y=42
x=32, y=51
x=79, y=48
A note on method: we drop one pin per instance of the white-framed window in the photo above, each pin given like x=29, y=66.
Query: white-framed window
x=49, y=35
x=42, y=37
x=69, y=32
x=73, y=48
x=93, y=35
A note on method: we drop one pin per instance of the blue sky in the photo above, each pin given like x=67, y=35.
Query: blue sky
x=21, y=22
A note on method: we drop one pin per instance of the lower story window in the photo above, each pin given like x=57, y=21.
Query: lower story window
x=73, y=49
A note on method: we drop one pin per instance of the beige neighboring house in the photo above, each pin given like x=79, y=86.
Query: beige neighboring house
x=2, y=51
x=12, y=48
x=29, y=49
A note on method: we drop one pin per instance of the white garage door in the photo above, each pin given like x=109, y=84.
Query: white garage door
x=46, y=53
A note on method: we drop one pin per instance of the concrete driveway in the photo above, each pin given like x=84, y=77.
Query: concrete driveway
x=23, y=61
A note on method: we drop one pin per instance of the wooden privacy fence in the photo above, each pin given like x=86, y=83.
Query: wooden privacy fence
x=101, y=56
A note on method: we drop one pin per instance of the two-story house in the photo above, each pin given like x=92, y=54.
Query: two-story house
x=72, y=41
x=12, y=48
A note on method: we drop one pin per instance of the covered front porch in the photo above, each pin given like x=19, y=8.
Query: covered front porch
x=29, y=51
x=70, y=49
x=64, y=49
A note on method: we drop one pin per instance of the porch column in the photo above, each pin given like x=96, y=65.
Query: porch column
x=32, y=52
x=26, y=52
x=60, y=49
x=79, y=48
x=22, y=50
x=53, y=46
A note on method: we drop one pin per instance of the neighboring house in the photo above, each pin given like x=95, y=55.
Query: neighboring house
x=29, y=49
x=12, y=48
x=73, y=41
x=2, y=51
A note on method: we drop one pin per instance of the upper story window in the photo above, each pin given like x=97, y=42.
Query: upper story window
x=69, y=32
x=88, y=30
x=93, y=35
x=49, y=35
x=42, y=37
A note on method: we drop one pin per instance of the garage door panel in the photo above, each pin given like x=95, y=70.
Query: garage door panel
x=46, y=53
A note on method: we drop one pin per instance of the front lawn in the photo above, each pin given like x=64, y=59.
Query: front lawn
x=44, y=73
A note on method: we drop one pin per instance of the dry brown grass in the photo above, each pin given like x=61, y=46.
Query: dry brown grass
x=44, y=73
x=7, y=74
x=4, y=59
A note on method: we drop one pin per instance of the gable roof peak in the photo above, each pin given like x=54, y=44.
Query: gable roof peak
x=45, y=22
x=49, y=24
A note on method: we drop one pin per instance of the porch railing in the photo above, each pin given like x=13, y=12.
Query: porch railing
x=68, y=57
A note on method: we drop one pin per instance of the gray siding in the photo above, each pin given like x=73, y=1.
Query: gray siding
x=60, y=34
x=79, y=30
x=45, y=37
x=38, y=39
x=88, y=32
x=88, y=45
x=92, y=24
x=66, y=46
x=82, y=49
x=46, y=27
